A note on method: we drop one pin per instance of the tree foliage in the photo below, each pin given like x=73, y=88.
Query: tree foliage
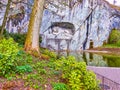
x=114, y=37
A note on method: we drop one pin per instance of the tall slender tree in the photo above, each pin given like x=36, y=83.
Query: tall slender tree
x=32, y=39
x=5, y=17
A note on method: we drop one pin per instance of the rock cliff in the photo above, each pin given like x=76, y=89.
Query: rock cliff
x=18, y=17
x=75, y=25
x=93, y=21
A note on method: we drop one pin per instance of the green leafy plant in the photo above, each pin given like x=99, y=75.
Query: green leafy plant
x=8, y=53
x=19, y=38
x=49, y=53
x=76, y=74
x=24, y=69
x=12, y=59
x=23, y=58
x=60, y=86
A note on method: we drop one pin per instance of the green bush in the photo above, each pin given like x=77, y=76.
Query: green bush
x=20, y=38
x=49, y=53
x=23, y=69
x=23, y=61
x=23, y=58
x=8, y=53
x=118, y=43
x=114, y=37
x=12, y=59
x=76, y=74
x=60, y=86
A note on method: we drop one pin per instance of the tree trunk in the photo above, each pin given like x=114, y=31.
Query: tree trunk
x=5, y=17
x=32, y=39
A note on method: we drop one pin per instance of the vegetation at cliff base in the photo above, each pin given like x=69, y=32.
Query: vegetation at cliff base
x=45, y=72
x=74, y=25
x=114, y=38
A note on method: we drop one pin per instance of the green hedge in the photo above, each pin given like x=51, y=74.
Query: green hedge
x=12, y=59
x=76, y=74
x=114, y=37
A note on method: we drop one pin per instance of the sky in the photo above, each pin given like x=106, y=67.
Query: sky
x=117, y=2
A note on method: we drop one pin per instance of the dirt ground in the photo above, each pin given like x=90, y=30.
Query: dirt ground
x=14, y=85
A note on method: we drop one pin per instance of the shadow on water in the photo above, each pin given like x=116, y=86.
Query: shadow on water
x=93, y=59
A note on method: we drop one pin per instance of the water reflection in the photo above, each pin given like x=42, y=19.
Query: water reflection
x=93, y=59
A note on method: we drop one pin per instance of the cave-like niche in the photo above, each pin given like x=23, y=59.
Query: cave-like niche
x=59, y=35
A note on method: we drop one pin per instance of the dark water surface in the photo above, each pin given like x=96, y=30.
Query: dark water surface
x=93, y=59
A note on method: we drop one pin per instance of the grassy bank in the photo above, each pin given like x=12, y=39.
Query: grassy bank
x=21, y=70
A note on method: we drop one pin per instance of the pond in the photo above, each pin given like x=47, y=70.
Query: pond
x=95, y=59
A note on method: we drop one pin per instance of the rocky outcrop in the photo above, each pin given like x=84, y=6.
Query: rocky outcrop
x=81, y=24
x=93, y=21
x=18, y=17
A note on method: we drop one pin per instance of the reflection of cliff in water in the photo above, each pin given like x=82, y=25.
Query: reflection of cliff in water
x=93, y=59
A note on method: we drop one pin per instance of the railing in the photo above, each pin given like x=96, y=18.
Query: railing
x=107, y=84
